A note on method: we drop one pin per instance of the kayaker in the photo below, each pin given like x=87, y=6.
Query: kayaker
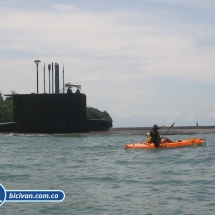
x=69, y=90
x=155, y=136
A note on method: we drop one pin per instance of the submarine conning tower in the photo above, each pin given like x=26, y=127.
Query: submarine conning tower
x=52, y=112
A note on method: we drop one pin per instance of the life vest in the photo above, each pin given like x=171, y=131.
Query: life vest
x=148, y=137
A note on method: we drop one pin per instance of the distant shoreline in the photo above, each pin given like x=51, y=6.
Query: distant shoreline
x=174, y=130
x=139, y=131
x=166, y=127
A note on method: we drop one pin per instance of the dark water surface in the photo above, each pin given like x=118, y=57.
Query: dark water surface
x=99, y=176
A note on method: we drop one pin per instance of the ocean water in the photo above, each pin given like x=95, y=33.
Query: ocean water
x=99, y=176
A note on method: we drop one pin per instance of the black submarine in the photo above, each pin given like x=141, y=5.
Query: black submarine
x=53, y=112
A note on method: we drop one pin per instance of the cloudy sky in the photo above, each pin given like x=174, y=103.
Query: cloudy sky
x=143, y=61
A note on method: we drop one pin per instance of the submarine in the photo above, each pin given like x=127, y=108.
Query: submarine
x=53, y=112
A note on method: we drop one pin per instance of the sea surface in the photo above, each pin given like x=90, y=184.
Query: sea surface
x=99, y=176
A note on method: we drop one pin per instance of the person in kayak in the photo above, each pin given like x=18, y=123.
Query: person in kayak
x=155, y=136
x=69, y=90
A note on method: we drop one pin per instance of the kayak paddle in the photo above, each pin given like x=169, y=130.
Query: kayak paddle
x=168, y=129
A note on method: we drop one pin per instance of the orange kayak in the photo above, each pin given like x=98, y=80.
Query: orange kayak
x=167, y=143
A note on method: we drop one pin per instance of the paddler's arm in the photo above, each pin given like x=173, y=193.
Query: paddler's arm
x=163, y=139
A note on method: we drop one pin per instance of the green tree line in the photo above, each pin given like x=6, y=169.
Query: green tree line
x=6, y=111
x=94, y=113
